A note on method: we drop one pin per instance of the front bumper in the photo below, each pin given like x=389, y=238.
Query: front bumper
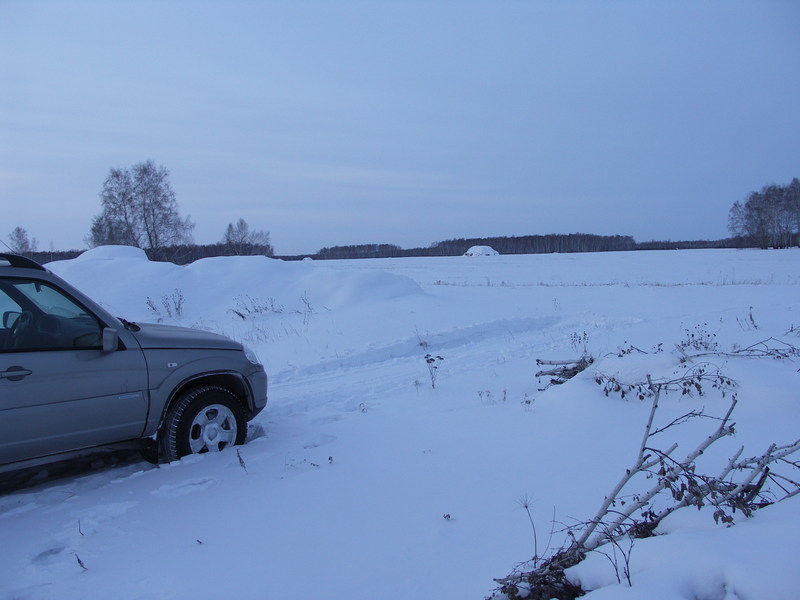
x=257, y=381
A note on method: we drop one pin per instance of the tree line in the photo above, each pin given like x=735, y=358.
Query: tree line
x=185, y=254
x=360, y=251
x=540, y=244
x=529, y=244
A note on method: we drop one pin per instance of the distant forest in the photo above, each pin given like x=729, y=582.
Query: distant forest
x=180, y=255
x=526, y=244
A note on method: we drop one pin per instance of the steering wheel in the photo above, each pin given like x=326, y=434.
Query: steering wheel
x=18, y=329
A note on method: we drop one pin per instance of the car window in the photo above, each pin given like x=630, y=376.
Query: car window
x=37, y=316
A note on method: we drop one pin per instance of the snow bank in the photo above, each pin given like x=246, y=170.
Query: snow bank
x=130, y=285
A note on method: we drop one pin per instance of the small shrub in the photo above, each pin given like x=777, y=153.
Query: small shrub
x=579, y=342
x=247, y=306
x=699, y=338
x=172, y=305
x=433, y=367
x=307, y=309
x=747, y=323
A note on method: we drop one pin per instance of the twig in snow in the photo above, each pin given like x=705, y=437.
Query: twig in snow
x=80, y=562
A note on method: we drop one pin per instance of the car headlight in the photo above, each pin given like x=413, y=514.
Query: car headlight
x=251, y=355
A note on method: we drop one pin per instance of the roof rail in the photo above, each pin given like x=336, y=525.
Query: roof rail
x=15, y=260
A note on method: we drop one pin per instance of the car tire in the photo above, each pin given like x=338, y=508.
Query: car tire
x=205, y=419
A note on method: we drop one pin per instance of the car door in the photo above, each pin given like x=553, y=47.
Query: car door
x=59, y=391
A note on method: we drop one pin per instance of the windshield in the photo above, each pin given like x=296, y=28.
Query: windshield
x=49, y=300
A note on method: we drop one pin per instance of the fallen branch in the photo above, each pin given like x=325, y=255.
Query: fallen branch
x=691, y=381
x=547, y=579
x=566, y=369
x=770, y=347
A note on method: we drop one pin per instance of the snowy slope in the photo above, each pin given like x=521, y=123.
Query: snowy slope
x=364, y=481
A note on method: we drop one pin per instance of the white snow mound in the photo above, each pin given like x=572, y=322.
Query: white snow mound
x=481, y=251
x=113, y=253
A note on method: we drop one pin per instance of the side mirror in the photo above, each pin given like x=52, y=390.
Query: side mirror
x=10, y=317
x=110, y=339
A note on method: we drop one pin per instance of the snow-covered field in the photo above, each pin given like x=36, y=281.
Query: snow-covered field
x=363, y=481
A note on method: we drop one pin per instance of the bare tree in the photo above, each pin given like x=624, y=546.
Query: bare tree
x=792, y=199
x=243, y=241
x=139, y=209
x=769, y=218
x=20, y=243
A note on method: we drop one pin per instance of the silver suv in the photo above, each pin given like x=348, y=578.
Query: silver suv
x=74, y=378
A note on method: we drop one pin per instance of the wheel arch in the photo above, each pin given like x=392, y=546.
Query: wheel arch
x=230, y=380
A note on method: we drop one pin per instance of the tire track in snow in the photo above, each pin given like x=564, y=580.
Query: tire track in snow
x=331, y=388
x=413, y=348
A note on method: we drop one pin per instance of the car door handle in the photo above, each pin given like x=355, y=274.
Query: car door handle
x=15, y=373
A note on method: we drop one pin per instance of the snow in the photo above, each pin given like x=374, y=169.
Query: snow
x=481, y=251
x=356, y=461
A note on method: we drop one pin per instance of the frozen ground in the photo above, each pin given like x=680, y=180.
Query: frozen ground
x=362, y=481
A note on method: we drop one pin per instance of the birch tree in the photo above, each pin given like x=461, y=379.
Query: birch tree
x=20, y=243
x=139, y=209
x=243, y=241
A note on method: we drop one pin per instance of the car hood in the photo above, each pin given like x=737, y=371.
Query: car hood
x=152, y=336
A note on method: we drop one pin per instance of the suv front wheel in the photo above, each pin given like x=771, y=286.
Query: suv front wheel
x=205, y=419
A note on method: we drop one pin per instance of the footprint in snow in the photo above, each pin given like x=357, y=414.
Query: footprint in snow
x=47, y=556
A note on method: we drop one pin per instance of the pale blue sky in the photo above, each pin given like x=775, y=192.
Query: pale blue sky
x=342, y=122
